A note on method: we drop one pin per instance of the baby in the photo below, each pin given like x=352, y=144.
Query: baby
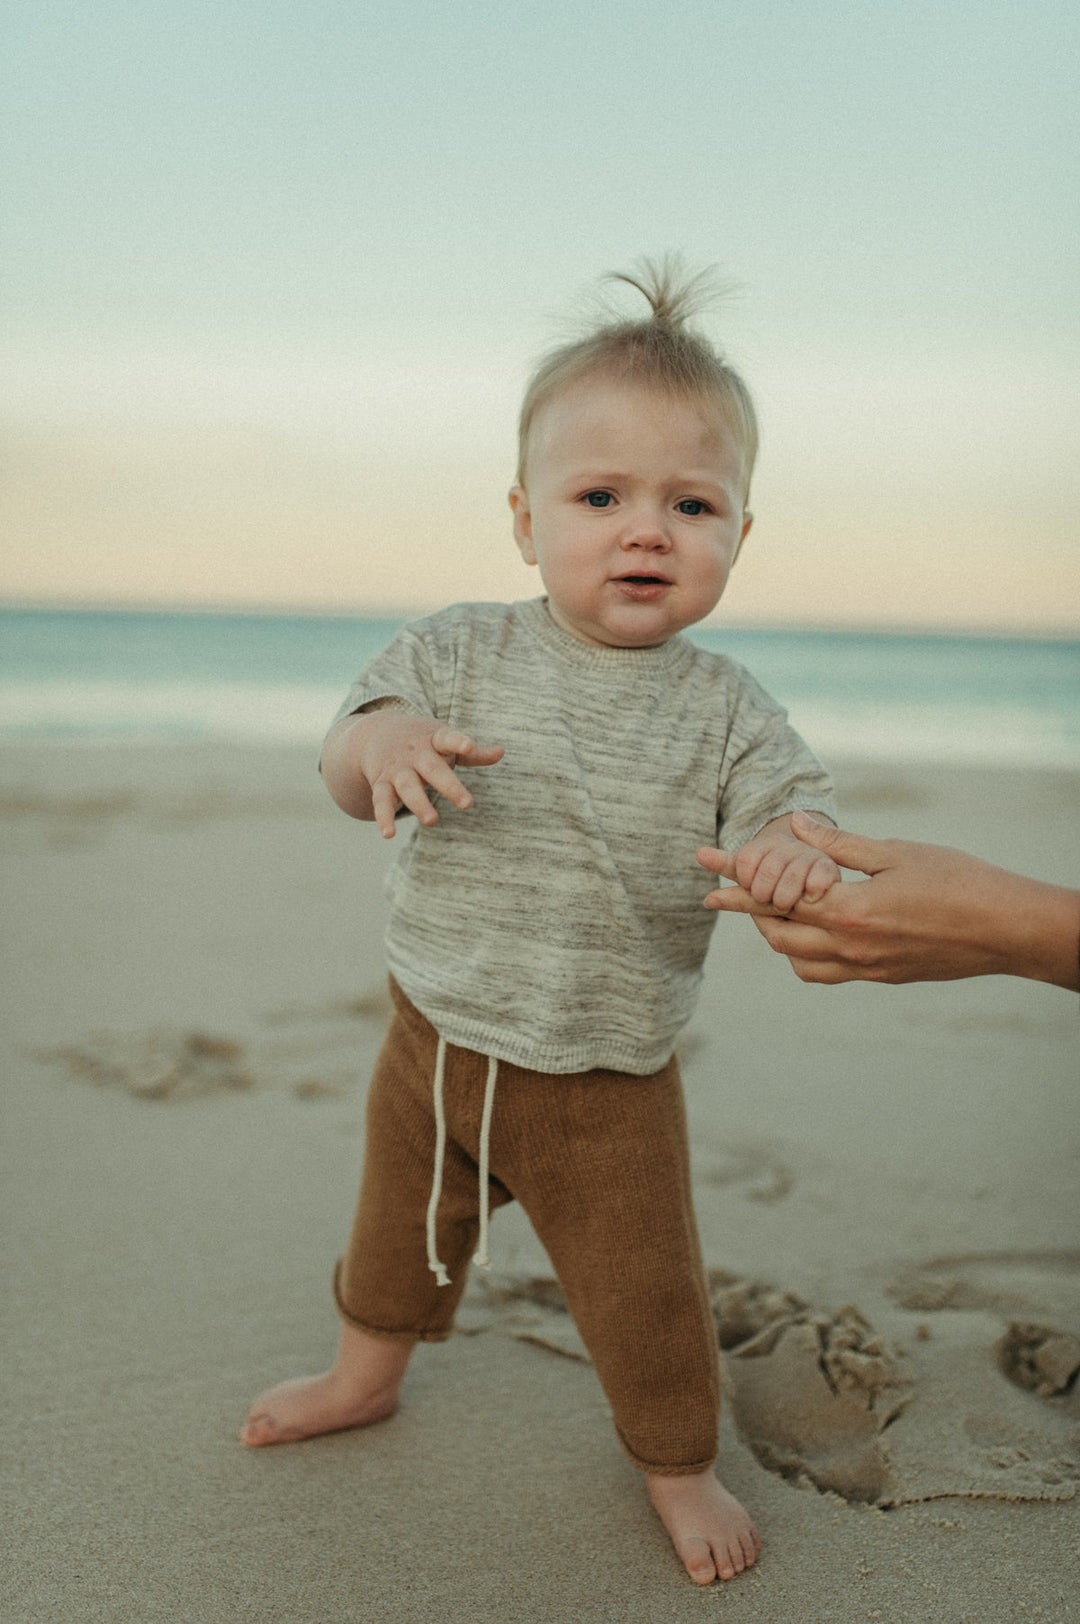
x=547, y=932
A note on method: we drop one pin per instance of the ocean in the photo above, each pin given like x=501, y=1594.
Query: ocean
x=101, y=676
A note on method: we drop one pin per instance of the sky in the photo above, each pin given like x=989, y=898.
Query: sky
x=274, y=277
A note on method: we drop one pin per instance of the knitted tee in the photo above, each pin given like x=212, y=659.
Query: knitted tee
x=558, y=923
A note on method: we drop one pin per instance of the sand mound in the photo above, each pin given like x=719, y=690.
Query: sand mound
x=824, y=1401
x=1039, y=1358
x=812, y=1392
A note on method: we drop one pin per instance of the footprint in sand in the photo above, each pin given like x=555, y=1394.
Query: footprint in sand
x=1043, y=1358
x=157, y=1065
x=313, y=1048
x=971, y=1429
x=1034, y=1283
x=311, y=1051
x=753, y=1170
x=530, y=1308
x=375, y=1005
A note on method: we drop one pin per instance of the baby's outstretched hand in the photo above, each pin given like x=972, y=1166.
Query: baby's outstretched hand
x=403, y=756
x=778, y=869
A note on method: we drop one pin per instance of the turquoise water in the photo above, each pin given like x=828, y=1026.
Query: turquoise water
x=142, y=675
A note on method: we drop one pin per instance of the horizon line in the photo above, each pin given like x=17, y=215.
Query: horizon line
x=282, y=611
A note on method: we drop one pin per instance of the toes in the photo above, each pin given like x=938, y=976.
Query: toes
x=259, y=1429
x=729, y=1560
x=751, y=1545
x=698, y=1561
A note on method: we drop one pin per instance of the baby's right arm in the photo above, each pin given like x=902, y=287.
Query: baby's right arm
x=376, y=762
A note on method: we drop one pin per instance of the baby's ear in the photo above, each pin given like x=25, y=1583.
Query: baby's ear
x=747, y=521
x=519, y=504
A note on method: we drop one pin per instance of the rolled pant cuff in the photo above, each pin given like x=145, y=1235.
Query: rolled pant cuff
x=652, y=1470
x=664, y=1468
x=392, y=1334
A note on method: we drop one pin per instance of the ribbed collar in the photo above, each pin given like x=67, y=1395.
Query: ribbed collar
x=535, y=616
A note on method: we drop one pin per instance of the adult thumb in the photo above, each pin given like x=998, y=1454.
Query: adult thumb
x=850, y=851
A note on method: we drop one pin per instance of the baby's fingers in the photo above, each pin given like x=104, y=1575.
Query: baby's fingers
x=437, y=771
x=450, y=741
x=823, y=875
x=384, y=805
x=717, y=861
x=410, y=791
x=791, y=884
x=761, y=872
x=482, y=755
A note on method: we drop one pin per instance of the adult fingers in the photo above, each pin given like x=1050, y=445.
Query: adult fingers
x=823, y=973
x=733, y=899
x=850, y=851
x=819, y=955
x=805, y=945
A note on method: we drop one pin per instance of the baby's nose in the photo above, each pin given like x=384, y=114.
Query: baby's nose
x=648, y=530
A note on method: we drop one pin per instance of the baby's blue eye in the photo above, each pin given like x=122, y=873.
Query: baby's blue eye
x=598, y=499
x=692, y=507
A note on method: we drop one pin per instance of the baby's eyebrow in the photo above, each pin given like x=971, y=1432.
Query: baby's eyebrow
x=587, y=477
x=599, y=476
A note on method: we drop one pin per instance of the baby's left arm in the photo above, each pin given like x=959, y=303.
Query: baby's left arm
x=778, y=868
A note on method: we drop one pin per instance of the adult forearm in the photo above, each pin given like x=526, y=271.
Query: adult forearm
x=1042, y=939
x=927, y=913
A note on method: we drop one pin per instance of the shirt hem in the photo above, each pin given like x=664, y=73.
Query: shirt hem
x=554, y=1058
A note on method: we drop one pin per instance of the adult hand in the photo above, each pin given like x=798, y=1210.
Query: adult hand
x=927, y=913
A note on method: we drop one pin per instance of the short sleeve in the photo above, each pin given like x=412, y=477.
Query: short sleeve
x=403, y=677
x=768, y=772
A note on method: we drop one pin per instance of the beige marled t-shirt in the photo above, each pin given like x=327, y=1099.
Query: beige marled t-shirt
x=558, y=923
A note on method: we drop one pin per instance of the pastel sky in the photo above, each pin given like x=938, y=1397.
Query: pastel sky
x=275, y=275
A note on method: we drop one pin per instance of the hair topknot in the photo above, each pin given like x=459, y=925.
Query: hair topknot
x=659, y=351
x=674, y=295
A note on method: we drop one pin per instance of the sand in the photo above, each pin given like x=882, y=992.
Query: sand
x=887, y=1188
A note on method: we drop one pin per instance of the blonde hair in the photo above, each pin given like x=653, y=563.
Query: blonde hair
x=659, y=351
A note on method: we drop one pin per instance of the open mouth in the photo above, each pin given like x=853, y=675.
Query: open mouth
x=642, y=588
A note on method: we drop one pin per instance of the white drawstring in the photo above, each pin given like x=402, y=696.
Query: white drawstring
x=480, y=1258
x=438, y=1269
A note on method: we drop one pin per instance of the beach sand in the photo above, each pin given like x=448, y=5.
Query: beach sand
x=887, y=1188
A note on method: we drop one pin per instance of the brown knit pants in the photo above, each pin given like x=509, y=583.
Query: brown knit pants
x=599, y=1162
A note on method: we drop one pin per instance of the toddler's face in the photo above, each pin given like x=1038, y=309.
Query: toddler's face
x=632, y=508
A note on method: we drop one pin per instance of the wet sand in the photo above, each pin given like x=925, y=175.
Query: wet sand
x=887, y=1188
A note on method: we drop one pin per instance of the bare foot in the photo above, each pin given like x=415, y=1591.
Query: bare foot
x=709, y=1528
x=360, y=1389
